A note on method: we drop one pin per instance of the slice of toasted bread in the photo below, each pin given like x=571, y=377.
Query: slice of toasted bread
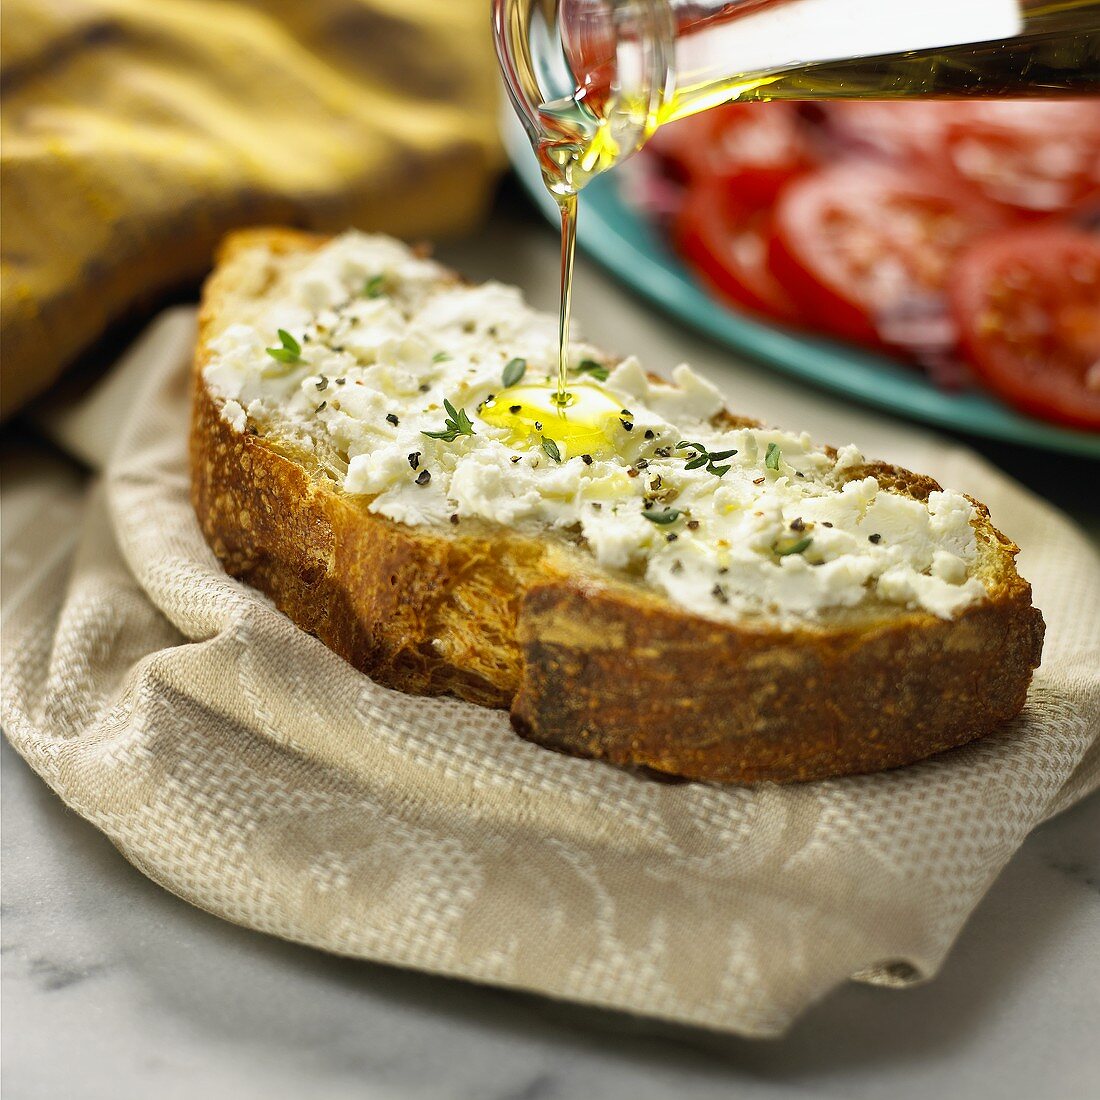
x=590, y=661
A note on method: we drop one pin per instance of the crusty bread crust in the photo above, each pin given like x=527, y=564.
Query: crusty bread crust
x=590, y=664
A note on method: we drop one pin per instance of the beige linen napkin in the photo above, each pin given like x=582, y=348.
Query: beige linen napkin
x=242, y=765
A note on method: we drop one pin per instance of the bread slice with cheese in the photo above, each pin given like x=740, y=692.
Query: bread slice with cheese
x=645, y=578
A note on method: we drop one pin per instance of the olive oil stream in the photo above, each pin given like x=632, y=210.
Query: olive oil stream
x=596, y=124
x=567, y=205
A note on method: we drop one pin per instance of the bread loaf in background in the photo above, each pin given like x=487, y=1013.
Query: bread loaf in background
x=137, y=132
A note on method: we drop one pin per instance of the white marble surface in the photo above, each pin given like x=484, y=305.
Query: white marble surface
x=114, y=989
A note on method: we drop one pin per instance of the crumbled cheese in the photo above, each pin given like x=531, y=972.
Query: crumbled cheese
x=233, y=412
x=785, y=538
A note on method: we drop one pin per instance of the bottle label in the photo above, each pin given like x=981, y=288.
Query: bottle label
x=800, y=32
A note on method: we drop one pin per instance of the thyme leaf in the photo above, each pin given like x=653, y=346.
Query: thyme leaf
x=290, y=350
x=514, y=371
x=794, y=548
x=596, y=370
x=669, y=515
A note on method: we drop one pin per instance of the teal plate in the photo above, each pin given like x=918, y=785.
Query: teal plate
x=623, y=242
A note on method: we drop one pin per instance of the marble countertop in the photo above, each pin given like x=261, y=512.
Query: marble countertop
x=114, y=989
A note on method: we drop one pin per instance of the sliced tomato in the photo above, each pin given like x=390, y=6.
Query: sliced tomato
x=902, y=130
x=1028, y=309
x=1038, y=156
x=864, y=249
x=753, y=148
x=726, y=243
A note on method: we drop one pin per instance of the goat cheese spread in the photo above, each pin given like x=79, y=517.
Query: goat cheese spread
x=363, y=342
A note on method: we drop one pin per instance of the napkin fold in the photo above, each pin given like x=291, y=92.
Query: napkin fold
x=135, y=133
x=246, y=768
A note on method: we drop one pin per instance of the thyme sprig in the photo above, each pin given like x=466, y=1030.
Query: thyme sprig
x=551, y=449
x=456, y=424
x=771, y=459
x=702, y=457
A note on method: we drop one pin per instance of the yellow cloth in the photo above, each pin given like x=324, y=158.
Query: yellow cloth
x=136, y=132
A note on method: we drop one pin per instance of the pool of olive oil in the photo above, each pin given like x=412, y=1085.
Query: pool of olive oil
x=579, y=136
